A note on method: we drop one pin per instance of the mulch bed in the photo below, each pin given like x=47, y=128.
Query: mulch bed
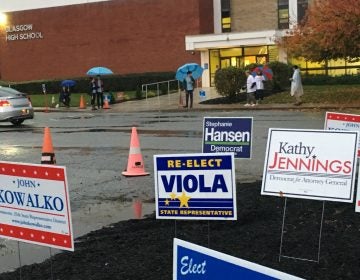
x=142, y=249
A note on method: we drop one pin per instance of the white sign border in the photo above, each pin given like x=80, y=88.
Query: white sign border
x=319, y=198
x=68, y=206
x=196, y=218
x=227, y=258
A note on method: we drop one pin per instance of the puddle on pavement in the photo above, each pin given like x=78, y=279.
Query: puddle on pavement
x=84, y=220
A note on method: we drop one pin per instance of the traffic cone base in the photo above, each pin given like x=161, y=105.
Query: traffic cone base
x=106, y=104
x=48, y=155
x=82, y=103
x=135, y=166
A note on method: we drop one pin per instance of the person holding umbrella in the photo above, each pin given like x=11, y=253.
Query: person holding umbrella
x=189, y=85
x=93, y=92
x=99, y=92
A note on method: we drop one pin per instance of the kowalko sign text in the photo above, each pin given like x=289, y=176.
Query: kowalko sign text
x=195, y=186
x=230, y=135
x=35, y=205
x=310, y=164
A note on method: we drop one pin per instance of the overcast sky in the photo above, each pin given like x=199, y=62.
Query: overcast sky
x=19, y=5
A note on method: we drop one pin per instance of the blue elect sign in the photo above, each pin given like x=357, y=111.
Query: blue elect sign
x=194, y=262
x=195, y=186
x=228, y=135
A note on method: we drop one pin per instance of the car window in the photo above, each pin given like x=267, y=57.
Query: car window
x=9, y=92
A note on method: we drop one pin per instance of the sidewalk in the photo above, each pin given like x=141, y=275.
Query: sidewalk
x=171, y=102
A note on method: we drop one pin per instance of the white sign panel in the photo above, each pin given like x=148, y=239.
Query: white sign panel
x=35, y=205
x=310, y=164
x=342, y=122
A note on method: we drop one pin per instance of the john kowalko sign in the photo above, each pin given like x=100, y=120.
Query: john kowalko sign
x=310, y=164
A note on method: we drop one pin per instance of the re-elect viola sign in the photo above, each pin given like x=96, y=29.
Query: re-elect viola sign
x=35, y=205
x=310, y=164
x=195, y=186
x=231, y=135
x=194, y=262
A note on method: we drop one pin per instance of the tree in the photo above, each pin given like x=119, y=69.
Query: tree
x=330, y=31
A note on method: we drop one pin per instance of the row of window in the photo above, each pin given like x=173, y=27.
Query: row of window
x=283, y=13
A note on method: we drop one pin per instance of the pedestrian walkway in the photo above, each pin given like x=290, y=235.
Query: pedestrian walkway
x=171, y=102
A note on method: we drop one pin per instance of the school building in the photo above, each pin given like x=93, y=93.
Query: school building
x=142, y=36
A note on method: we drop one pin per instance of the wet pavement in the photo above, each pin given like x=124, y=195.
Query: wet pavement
x=94, y=147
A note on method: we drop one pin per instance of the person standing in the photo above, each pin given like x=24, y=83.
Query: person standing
x=99, y=92
x=259, y=79
x=93, y=92
x=189, y=85
x=250, y=89
x=296, y=86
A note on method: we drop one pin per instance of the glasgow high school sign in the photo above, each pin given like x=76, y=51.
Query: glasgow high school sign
x=22, y=32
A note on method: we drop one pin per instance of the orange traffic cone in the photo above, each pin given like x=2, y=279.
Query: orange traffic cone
x=47, y=156
x=106, y=104
x=137, y=209
x=82, y=103
x=135, y=166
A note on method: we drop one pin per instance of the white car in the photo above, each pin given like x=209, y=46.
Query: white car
x=15, y=106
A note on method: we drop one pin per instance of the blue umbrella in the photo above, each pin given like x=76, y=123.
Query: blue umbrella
x=99, y=70
x=68, y=83
x=195, y=68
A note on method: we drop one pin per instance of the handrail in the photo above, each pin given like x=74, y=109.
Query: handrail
x=144, y=87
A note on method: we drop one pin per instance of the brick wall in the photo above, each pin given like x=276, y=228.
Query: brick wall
x=128, y=36
x=248, y=15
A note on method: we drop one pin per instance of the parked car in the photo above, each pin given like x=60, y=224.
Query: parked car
x=15, y=106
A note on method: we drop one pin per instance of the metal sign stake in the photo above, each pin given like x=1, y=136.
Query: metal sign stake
x=282, y=237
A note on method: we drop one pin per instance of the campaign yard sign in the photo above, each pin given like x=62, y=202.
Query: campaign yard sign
x=310, y=164
x=342, y=122
x=195, y=186
x=194, y=262
x=228, y=135
x=35, y=205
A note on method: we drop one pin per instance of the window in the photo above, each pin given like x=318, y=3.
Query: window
x=302, y=8
x=225, y=16
x=283, y=14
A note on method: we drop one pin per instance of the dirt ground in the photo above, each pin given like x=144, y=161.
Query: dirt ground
x=142, y=249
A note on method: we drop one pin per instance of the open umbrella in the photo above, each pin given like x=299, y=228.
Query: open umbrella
x=195, y=68
x=266, y=71
x=99, y=71
x=68, y=83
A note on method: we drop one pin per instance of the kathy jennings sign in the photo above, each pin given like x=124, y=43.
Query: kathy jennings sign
x=310, y=164
x=35, y=205
x=195, y=186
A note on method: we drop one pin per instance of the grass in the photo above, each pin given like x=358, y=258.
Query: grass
x=41, y=100
x=325, y=94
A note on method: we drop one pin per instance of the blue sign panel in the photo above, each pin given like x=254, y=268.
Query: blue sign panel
x=195, y=186
x=232, y=135
x=194, y=262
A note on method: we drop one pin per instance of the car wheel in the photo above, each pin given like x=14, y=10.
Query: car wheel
x=17, y=122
